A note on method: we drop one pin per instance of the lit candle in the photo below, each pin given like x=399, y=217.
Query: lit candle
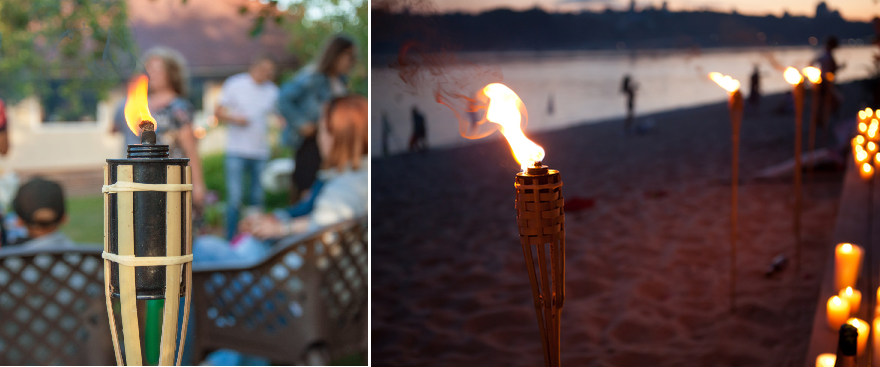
x=847, y=263
x=826, y=360
x=867, y=170
x=863, y=127
x=864, y=330
x=871, y=147
x=854, y=297
x=837, y=312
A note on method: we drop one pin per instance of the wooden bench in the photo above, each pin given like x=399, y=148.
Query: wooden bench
x=852, y=226
x=52, y=307
x=308, y=294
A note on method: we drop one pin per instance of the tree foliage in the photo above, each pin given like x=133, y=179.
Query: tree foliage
x=84, y=43
x=310, y=22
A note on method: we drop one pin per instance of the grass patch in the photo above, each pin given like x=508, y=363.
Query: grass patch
x=85, y=219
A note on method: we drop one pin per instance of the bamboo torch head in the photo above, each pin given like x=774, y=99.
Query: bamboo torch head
x=147, y=235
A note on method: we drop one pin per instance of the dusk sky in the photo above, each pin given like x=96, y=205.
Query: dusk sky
x=850, y=9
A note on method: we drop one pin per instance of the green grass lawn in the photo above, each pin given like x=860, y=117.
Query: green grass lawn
x=85, y=219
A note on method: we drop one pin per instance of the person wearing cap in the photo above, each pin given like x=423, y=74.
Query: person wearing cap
x=39, y=204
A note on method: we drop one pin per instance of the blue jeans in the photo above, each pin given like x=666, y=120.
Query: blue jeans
x=236, y=168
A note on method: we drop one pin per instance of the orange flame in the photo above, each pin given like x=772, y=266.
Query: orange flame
x=505, y=109
x=813, y=74
x=725, y=81
x=136, y=108
x=792, y=76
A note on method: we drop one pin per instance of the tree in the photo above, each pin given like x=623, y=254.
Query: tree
x=62, y=50
x=311, y=22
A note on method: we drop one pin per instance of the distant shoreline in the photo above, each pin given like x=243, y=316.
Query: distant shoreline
x=385, y=59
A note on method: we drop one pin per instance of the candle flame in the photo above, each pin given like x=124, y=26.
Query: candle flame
x=826, y=360
x=860, y=139
x=505, y=110
x=725, y=81
x=835, y=300
x=814, y=75
x=861, y=154
x=871, y=147
x=849, y=291
x=846, y=247
x=862, y=115
x=868, y=112
x=866, y=167
x=863, y=127
x=792, y=76
x=136, y=108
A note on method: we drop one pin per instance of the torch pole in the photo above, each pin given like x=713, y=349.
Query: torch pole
x=736, y=110
x=798, y=93
x=814, y=116
x=541, y=222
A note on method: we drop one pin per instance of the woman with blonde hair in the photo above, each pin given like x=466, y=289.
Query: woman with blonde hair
x=168, y=75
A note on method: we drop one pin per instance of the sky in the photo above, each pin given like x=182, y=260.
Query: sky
x=861, y=10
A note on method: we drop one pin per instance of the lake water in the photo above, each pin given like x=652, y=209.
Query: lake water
x=585, y=85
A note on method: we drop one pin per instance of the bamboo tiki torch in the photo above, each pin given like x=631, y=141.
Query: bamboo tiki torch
x=793, y=77
x=814, y=75
x=147, y=235
x=539, y=216
x=735, y=106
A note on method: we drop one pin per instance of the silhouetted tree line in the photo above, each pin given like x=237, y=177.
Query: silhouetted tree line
x=535, y=29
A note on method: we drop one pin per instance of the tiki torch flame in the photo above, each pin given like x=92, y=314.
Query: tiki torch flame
x=725, y=81
x=137, y=113
x=813, y=74
x=792, y=76
x=505, y=110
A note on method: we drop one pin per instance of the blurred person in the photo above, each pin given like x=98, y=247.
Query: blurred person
x=167, y=73
x=419, y=139
x=755, y=89
x=628, y=87
x=386, y=133
x=39, y=205
x=342, y=139
x=246, y=101
x=4, y=134
x=829, y=98
x=301, y=100
x=4, y=149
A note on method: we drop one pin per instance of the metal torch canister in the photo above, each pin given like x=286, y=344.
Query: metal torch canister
x=147, y=244
x=540, y=216
x=148, y=164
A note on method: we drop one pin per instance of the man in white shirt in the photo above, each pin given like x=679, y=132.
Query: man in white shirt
x=246, y=102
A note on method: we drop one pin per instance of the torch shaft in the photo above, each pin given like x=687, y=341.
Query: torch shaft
x=540, y=218
x=798, y=93
x=736, y=108
x=536, y=297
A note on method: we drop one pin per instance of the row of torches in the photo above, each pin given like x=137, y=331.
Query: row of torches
x=842, y=308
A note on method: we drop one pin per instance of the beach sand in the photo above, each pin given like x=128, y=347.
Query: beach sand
x=647, y=280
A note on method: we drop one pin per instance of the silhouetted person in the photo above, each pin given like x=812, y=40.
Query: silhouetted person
x=829, y=97
x=629, y=89
x=418, y=142
x=755, y=89
x=386, y=133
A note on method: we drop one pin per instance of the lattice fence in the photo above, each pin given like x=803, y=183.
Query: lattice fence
x=52, y=308
x=305, y=293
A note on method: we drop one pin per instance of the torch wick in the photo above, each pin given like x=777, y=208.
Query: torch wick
x=147, y=125
x=538, y=164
